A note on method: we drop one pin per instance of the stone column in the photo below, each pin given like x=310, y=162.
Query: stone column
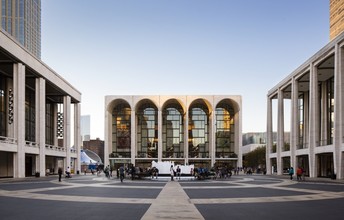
x=77, y=136
x=159, y=135
x=212, y=146
x=269, y=141
x=338, y=112
x=133, y=136
x=66, y=129
x=107, y=133
x=313, y=119
x=19, y=118
x=186, y=136
x=238, y=136
x=294, y=125
x=280, y=131
x=40, y=123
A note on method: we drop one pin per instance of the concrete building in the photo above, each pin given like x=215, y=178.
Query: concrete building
x=37, y=107
x=199, y=130
x=22, y=20
x=96, y=146
x=315, y=91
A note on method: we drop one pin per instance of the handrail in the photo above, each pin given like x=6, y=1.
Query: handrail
x=8, y=140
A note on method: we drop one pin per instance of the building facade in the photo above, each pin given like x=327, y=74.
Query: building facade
x=22, y=20
x=96, y=146
x=39, y=115
x=316, y=94
x=200, y=130
x=85, y=127
x=336, y=18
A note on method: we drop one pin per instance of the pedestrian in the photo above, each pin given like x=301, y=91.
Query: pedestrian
x=68, y=173
x=133, y=171
x=178, y=172
x=172, y=173
x=60, y=173
x=299, y=174
x=121, y=173
x=291, y=173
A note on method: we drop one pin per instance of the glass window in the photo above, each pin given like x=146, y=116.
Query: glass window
x=225, y=130
x=121, y=131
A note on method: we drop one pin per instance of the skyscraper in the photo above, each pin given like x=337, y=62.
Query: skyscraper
x=22, y=20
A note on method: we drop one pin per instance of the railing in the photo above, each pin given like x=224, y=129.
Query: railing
x=8, y=140
x=120, y=155
x=31, y=144
x=169, y=154
x=55, y=148
x=197, y=154
x=226, y=155
x=72, y=150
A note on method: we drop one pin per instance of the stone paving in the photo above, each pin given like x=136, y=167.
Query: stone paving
x=239, y=197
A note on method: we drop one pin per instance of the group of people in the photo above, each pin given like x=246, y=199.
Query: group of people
x=175, y=172
x=300, y=173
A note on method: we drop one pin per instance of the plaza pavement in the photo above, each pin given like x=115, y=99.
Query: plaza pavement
x=239, y=197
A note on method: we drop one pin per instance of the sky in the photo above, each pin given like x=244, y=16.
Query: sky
x=180, y=47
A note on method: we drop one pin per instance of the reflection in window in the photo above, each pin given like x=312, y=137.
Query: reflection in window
x=198, y=132
x=147, y=132
x=49, y=123
x=30, y=115
x=330, y=110
x=121, y=131
x=225, y=131
x=172, y=133
x=301, y=121
x=2, y=106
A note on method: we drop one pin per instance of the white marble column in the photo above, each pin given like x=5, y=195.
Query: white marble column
x=294, y=125
x=338, y=112
x=107, y=134
x=40, y=123
x=66, y=129
x=313, y=119
x=19, y=118
x=159, y=135
x=77, y=136
x=133, y=136
x=186, y=136
x=212, y=146
x=280, y=131
x=238, y=136
x=269, y=141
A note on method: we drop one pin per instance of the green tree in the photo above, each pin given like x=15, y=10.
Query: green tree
x=256, y=158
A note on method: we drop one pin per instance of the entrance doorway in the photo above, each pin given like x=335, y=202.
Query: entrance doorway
x=30, y=165
x=325, y=165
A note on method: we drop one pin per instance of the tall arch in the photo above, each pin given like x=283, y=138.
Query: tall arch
x=147, y=129
x=172, y=130
x=198, y=129
x=120, y=129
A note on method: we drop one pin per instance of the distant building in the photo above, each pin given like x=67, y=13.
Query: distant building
x=22, y=20
x=336, y=18
x=97, y=146
x=85, y=127
x=200, y=130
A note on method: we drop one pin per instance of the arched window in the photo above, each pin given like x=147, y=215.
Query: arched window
x=121, y=131
x=172, y=131
x=147, y=131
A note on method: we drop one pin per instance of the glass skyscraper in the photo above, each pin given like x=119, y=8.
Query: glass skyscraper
x=22, y=20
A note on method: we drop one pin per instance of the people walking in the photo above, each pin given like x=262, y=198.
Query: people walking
x=172, y=172
x=121, y=173
x=291, y=173
x=60, y=173
x=299, y=174
x=178, y=172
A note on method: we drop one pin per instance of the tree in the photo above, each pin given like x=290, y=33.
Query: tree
x=256, y=158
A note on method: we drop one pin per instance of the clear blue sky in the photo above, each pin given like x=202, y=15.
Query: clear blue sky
x=180, y=47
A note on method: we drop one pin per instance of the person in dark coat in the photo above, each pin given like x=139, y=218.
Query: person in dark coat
x=60, y=173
